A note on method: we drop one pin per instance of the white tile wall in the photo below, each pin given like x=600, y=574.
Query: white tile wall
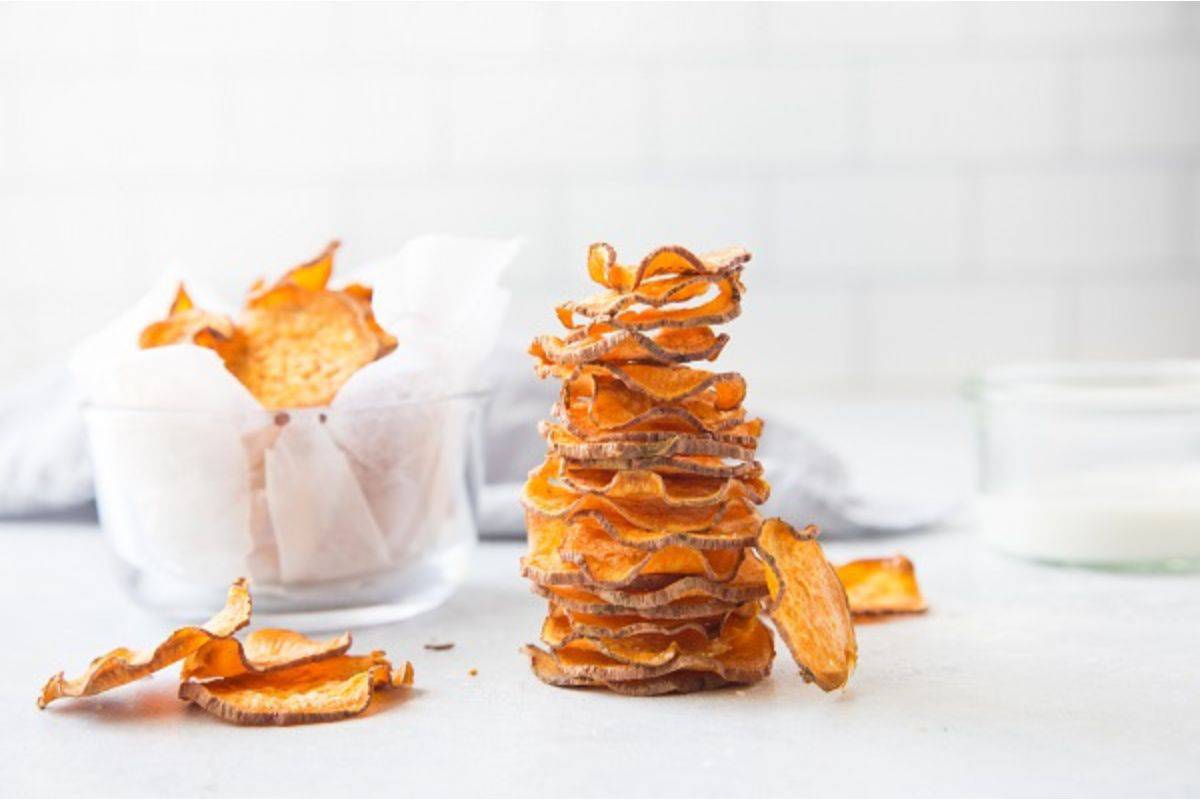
x=928, y=188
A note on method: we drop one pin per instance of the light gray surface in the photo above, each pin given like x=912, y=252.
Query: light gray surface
x=1022, y=680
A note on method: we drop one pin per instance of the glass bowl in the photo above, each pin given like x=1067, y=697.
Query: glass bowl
x=339, y=518
x=1092, y=464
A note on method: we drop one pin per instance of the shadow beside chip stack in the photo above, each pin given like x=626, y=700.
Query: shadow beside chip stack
x=642, y=517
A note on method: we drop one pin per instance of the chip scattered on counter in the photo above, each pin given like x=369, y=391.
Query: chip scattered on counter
x=642, y=523
x=122, y=665
x=881, y=586
x=273, y=677
x=324, y=690
x=295, y=342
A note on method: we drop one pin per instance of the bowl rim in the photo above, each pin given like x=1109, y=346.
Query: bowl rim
x=476, y=396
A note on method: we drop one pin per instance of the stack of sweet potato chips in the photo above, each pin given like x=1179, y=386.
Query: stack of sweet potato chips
x=642, y=522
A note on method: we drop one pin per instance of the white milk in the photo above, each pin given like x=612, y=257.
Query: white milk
x=1115, y=516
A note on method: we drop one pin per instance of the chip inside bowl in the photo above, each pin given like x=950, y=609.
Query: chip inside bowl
x=294, y=343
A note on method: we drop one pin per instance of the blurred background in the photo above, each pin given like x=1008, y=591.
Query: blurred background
x=927, y=188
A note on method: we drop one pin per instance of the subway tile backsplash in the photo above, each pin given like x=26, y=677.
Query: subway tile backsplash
x=927, y=188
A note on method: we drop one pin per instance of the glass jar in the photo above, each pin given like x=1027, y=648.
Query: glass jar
x=339, y=518
x=1092, y=464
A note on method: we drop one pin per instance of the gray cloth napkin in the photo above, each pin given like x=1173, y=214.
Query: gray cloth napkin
x=44, y=465
x=809, y=483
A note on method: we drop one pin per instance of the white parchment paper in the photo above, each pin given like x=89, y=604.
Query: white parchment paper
x=194, y=477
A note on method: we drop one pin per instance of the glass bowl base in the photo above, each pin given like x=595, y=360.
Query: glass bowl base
x=314, y=608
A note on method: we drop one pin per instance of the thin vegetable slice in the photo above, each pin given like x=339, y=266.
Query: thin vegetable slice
x=808, y=604
x=264, y=650
x=122, y=665
x=877, y=586
x=320, y=691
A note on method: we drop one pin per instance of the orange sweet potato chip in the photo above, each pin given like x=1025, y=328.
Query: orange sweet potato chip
x=881, y=586
x=264, y=650
x=808, y=604
x=674, y=491
x=296, y=341
x=673, y=260
x=122, y=666
x=186, y=323
x=319, y=691
x=664, y=383
x=724, y=305
x=582, y=600
x=547, y=669
x=742, y=653
x=563, y=553
x=619, y=626
x=546, y=496
x=301, y=346
x=562, y=442
x=602, y=343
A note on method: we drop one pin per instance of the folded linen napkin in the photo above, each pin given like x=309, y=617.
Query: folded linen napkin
x=44, y=466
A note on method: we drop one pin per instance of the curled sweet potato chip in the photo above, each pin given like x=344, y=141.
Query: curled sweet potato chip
x=657, y=427
x=582, y=600
x=748, y=583
x=264, y=650
x=674, y=491
x=566, y=444
x=122, y=666
x=601, y=343
x=672, y=260
x=186, y=323
x=569, y=625
x=547, y=669
x=663, y=383
x=741, y=654
x=300, y=346
x=318, y=691
x=705, y=466
x=564, y=553
x=652, y=514
x=808, y=604
x=724, y=305
x=296, y=341
x=881, y=586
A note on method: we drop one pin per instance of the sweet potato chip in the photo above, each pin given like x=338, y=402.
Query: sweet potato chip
x=264, y=650
x=566, y=444
x=881, y=586
x=663, y=383
x=300, y=346
x=311, y=276
x=673, y=260
x=610, y=405
x=601, y=343
x=122, y=666
x=674, y=491
x=546, y=668
x=598, y=626
x=296, y=341
x=723, y=306
x=546, y=496
x=742, y=654
x=808, y=604
x=565, y=553
x=187, y=324
x=319, y=691
x=579, y=599
x=748, y=583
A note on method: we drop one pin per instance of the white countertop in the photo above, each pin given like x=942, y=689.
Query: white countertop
x=1021, y=680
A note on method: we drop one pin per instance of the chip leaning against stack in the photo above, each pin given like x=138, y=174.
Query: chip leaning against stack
x=642, y=522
